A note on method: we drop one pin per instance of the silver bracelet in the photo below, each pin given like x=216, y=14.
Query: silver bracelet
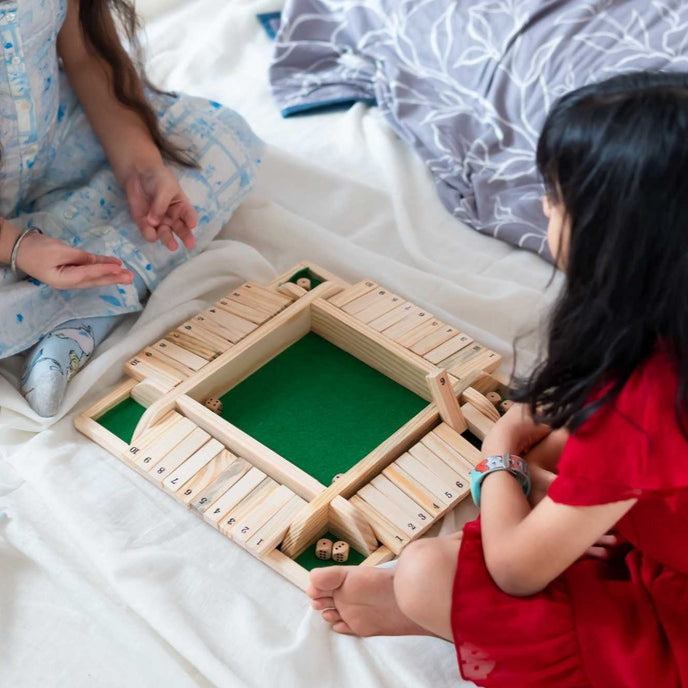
x=17, y=243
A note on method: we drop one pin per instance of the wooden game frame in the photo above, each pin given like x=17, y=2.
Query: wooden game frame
x=456, y=403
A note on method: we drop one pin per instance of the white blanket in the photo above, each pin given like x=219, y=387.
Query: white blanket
x=105, y=580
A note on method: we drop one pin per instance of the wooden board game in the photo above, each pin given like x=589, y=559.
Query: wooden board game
x=304, y=408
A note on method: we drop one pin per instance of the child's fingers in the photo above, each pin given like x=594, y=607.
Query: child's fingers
x=183, y=232
x=160, y=204
x=166, y=237
x=597, y=552
x=189, y=214
x=93, y=275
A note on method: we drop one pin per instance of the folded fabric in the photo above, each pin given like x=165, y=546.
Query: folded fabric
x=468, y=84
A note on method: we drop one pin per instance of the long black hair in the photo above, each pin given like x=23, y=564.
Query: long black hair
x=615, y=155
x=97, y=19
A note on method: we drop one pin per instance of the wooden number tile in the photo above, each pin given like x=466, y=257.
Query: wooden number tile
x=447, y=454
x=363, y=302
x=379, y=307
x=460, y=444
x=406, y=522
x=177, y=478
x=351, y=293
x=231, y=326
x=443, y=490
x=419, y=332
x=415, y=317
x=400, y=498
x=176, y=457
x=392, y=317
x=448, y=348
x=252, y=501
x=155, y=356
x=210, y=338
x=151, y=435
x=177, y=353
x=267, y=295
x=433, y=340
x=141, y=368
x=294, y=291
x=478, y=424
x=243, y=310
x=248, y=298
x=387, y=533
x=472, y=358
x=214, y=480
x=241, y=488
x=273, y=531
x=417, y=492
x=191, y=344
x=244, y=530
x=481, y=402
x=147, y=392
x=448, y=474
x=447, y=404
x=166, y=442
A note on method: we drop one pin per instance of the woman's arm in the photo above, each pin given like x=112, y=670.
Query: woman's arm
x=158, y=205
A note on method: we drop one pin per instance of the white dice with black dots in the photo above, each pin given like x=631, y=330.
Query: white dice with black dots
x=340, y=551
x=323, y=549
x=215, y=405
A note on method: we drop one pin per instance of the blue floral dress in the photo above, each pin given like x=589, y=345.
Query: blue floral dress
x=54, y=175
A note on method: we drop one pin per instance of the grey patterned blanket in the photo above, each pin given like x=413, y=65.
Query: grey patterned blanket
x=468, y=83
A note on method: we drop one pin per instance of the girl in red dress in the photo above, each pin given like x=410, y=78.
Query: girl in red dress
x=584, y=583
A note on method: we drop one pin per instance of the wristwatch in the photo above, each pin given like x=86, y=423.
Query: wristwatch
x=499, y=462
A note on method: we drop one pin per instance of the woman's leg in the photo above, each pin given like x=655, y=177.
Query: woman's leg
x=413, y=598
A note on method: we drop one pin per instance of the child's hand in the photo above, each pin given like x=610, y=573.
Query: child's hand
x=61, y=266
x=515, y=432
x=160, y=208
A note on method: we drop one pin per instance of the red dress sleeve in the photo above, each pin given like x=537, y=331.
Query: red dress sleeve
x=629, y=447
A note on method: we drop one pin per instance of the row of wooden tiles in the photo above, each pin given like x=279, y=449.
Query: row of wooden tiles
x=415, y=329
x=186, y=349
x=419, y=487
x=226, y=490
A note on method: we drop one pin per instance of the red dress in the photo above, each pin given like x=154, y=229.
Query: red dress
x=621, y=623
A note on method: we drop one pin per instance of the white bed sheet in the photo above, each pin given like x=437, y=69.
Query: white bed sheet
x=106, y=581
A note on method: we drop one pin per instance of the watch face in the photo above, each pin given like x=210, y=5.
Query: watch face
x=493, y=462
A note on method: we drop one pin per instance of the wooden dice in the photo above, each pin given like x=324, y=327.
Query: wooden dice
x=323, y=549
x=337, y=477
x=340, y=551
x=494, y=397
x=213, y=404
x=304, y=283
x=505, y=405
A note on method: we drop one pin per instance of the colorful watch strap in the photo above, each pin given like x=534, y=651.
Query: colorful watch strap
x=499, y=462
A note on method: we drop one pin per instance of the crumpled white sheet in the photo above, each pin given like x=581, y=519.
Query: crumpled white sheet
x=105, y=580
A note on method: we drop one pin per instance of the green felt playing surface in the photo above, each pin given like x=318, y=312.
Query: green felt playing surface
x=319, y=407
x=121, y=420
x=309, y=561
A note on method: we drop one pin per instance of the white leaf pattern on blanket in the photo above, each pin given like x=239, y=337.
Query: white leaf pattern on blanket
x=468, y=84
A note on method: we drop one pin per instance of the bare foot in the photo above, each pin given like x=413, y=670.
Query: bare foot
x=359, y=600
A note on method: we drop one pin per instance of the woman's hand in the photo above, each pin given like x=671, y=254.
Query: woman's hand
x=61, y=266
x=160, y=208
x=515, y=432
